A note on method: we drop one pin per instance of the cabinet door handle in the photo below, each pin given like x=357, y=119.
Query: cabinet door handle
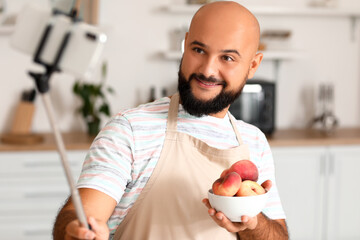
x=324, y=171
x=322, y=165
x=331, y=164
x=37, y=232
x=41, y=164
x=45, y=164
x=43, y=194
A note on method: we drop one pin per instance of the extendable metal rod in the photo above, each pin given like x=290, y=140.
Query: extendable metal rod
x=75, y=197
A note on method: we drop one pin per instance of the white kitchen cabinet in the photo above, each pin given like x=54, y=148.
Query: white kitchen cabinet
x=33, y=187
x=344, y=194
x=299, y=179
x=318, y=189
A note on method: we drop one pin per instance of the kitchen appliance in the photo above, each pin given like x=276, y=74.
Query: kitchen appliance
x=256, y=105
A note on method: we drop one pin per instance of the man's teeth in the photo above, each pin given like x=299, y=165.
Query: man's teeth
x=208, y=83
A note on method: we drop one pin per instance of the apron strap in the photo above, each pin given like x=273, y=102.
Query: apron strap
x=233, y=123
x=173, y=113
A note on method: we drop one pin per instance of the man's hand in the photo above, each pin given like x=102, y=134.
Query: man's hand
x=96, y=204
x=74, y=230
x=224, y=222
x=246, y=222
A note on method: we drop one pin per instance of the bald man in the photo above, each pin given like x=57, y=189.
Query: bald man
x=147, y=173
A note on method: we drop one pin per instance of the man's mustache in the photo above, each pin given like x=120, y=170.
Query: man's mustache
x=207, y=79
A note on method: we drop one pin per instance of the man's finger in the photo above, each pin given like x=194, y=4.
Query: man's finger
x=224, y=222
x=206, y=203
x=93, y=224
x=73, y=229
x=267, y=185
x=249, y=222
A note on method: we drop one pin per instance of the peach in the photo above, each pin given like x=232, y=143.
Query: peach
x=246, y=169
x=228, y=185
x=223, y=174
x=250, y=188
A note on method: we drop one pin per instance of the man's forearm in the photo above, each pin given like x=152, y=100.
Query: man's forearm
x=266, y=229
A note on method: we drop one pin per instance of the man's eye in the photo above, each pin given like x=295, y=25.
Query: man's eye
x=198, y=50
x=228, y=58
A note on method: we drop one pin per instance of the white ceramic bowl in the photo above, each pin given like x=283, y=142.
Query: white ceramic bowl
x=235, y=207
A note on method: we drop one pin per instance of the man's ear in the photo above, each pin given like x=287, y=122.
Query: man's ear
x=185, y=40
x=255, y=63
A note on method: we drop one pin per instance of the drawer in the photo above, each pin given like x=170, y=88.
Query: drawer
x=29, y=207
x=38, y=162
x=38, y=165
x=27, y=227
x=43, y=173
x=14, y=189
x=33, y=187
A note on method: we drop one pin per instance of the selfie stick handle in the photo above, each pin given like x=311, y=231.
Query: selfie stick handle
x=42, y=83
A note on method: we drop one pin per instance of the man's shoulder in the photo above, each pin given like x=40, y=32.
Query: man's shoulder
x=152, y=110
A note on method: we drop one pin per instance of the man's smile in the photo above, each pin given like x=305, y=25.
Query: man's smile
x=207, y=83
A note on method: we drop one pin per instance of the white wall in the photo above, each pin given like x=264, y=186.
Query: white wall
x=139, y=31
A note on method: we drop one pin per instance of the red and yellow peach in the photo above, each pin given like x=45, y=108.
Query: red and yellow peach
x=228, y=185
x=239, y=180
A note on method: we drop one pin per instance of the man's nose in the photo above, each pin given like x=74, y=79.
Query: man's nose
x=209, y=67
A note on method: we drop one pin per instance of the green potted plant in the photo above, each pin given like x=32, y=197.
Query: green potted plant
x=94, y=102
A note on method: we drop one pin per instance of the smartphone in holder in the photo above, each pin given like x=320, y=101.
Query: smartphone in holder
x=82, y=51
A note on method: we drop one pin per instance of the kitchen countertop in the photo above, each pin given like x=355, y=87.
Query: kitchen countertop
x=280, y=138
x=72, y=141
x=311, y=137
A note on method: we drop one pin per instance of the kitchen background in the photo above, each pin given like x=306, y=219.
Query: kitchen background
x=321, y=48
x=317, y=175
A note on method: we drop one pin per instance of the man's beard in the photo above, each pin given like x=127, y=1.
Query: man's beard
x=197, y=107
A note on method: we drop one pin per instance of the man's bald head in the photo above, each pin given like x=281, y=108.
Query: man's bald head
x=227, y=17
x=220, y=54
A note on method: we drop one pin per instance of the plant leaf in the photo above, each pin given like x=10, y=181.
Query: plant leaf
x=110, y=90
x=105, y=109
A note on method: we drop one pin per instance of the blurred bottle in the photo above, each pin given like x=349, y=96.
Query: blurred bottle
x=164, y=92
x=152, y=94
x=326, y=119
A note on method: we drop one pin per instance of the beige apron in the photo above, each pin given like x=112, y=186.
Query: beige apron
x=170, y=206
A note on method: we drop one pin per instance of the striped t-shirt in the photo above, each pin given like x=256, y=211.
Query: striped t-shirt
x=124, y=154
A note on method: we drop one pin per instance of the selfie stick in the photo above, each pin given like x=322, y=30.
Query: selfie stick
x=42, y=84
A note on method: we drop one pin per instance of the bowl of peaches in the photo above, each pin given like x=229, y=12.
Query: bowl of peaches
x=236, y=193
